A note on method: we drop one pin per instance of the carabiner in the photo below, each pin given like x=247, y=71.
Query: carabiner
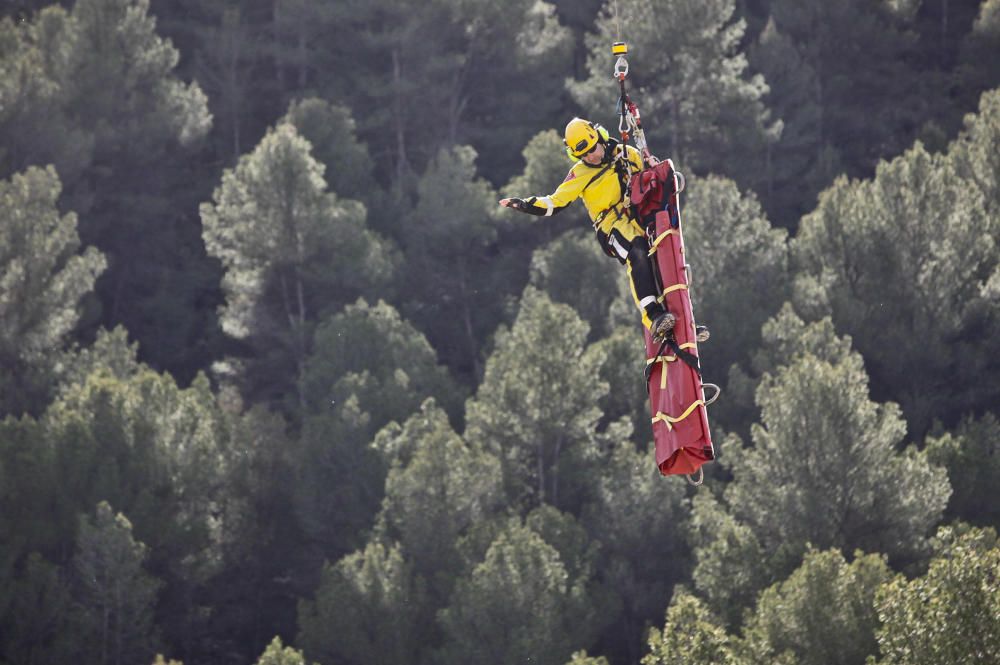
x=621, y=68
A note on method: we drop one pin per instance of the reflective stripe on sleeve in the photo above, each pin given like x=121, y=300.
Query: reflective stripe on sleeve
x=547, y=200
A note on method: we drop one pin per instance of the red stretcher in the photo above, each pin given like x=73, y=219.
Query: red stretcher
x=676, y=391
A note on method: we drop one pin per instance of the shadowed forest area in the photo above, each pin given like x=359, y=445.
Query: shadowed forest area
x=281, y=383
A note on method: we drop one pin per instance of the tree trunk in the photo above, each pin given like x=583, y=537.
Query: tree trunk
x=397, y=112
x=279, y=65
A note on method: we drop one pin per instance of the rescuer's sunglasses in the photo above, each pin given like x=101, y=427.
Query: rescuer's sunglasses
x=582, y=144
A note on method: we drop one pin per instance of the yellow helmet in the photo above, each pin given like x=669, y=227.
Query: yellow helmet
x=581, y=135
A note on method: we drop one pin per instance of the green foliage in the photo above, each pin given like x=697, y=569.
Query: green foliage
x=739, y=267
x=797, y=166
x=690, y=636
x=453, y=72
x=29, y=481
x=277, y=654
x=447, y=239
x=369, y=351
x=156, y=451
x=519, y=603
x=902, y=262
x=691, y=76
x=111, y=353
x=581, y=658
x=951, y=614
x=274, y=226
x=974, y=153
x=574, y=271
x=823, y=614
x=259, y=546
x=848, y=50
x=115, y=595
x=36, y=608
x=835, y=463
x=438, y=488
x=160, y=660
x=361, y=355
x=43, y=278
x=367, y=609
x=536, y=406
x=106, y=108
x=637, y=520
x=971, y=456
x=831, y=465
x=330, y=130
x=620, y=360
x=732, y=564
x=978, y=70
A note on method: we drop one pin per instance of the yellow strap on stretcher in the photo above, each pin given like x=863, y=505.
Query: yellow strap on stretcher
x=660, y=238
x=668, y=359
x=669, y=421
x=669, y=290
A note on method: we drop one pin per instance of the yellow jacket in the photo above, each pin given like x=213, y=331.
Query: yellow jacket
x=600, y=187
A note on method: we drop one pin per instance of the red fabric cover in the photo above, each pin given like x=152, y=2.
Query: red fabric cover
x=683, y=446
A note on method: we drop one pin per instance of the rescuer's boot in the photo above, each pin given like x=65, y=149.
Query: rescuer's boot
x=662, y=325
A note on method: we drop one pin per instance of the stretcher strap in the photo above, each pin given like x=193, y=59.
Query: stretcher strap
x=663, y=360
x=669, y=420
x=669, y=290
x=660, y=238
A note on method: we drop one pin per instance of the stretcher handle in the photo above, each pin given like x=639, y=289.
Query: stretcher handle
x=701, y=477
x=718, y=391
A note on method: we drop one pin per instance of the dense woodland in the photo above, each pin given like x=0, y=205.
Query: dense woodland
x=282, y=384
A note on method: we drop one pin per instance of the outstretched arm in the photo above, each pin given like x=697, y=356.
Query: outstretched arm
x=524, y=205
x=545, y=206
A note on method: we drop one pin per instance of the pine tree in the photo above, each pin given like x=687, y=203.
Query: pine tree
x=43, y=278
x=833, y=463
x=823, y=613
x=690, y=636
x=107, y=109
x=970, y=454
x=699, y=104
x=797, y=169
x=447, y=294
x=367, y=610
x=275, y=228
x=439, y=488
x=361, y=355
x=536, y=407
x=738, y=268
x=636, y=523
x=574, y=271
x=949, y=615
x=903, y=263
x=518, y=604
x=115, y=595
x=278, y=654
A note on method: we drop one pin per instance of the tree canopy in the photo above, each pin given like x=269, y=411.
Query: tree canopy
x=281, y=383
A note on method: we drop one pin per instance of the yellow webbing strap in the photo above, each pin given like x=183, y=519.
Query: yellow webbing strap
x=668, y=359
x=663, y=374
x=671, y=289
x=660, y=238
x=668, y=420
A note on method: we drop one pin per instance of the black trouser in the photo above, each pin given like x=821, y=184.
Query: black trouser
x=635, y=256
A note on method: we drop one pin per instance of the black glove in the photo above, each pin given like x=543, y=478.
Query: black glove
x=527, y=205
x=522, y=204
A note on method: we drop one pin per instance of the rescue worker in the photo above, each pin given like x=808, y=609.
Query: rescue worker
x=599, y=177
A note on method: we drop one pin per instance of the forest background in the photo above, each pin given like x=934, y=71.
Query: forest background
x=282, y=384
